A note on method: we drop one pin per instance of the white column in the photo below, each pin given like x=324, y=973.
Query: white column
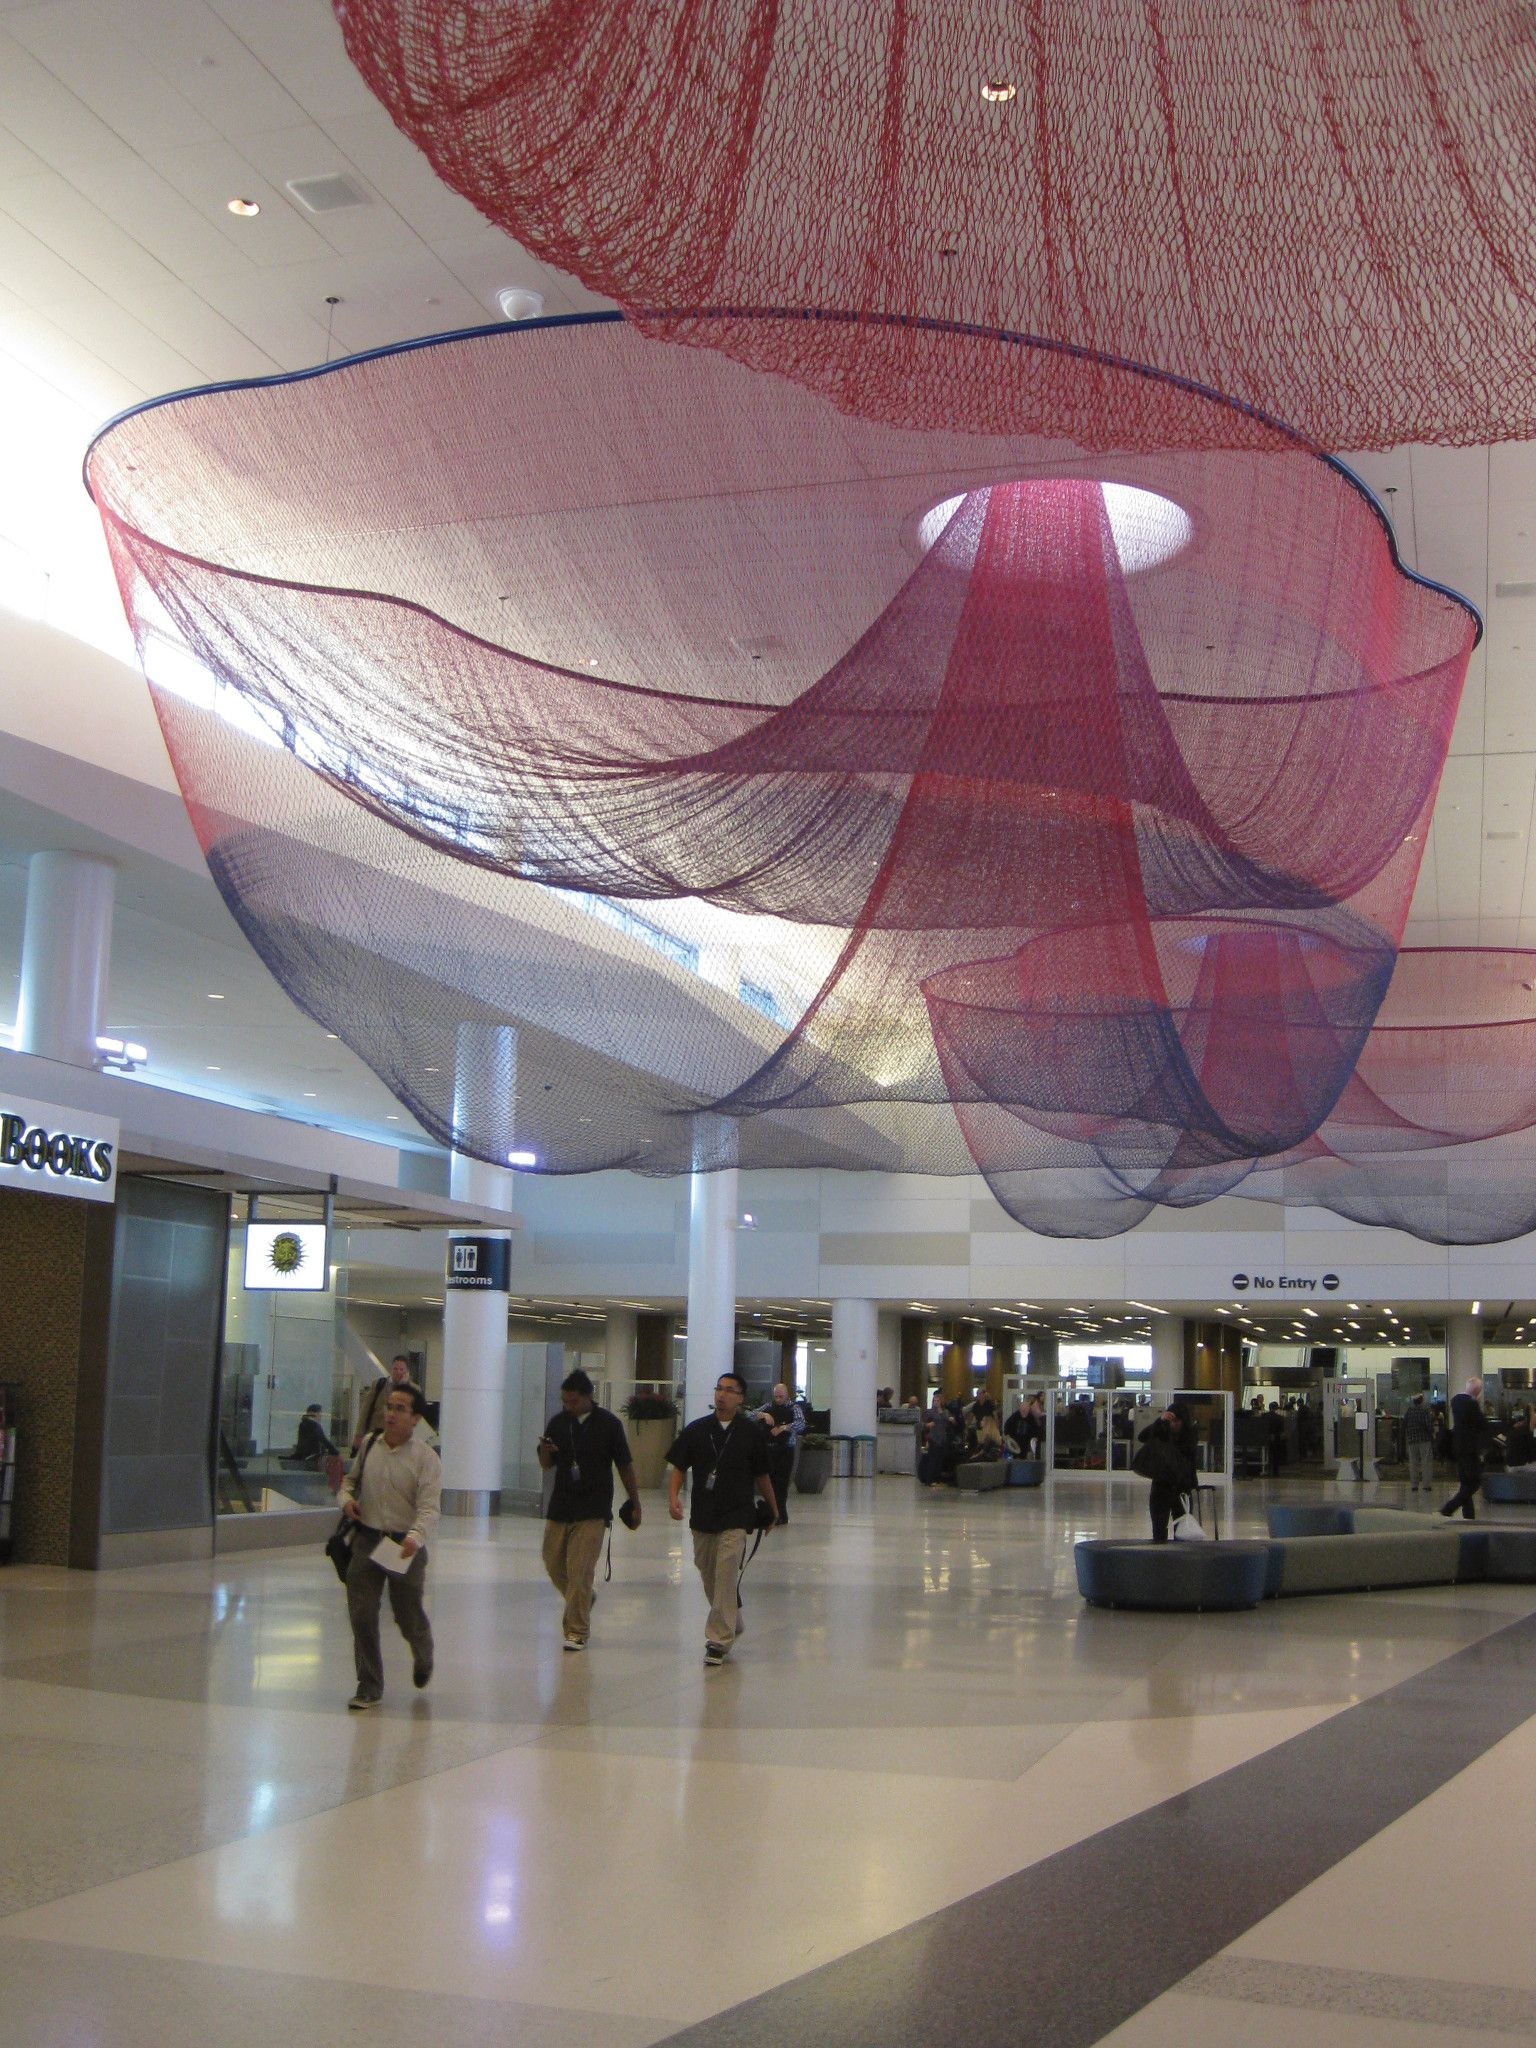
x=619, y=1351
x=475, y=1320
x=855, y=1363
x=711, y=1262
x=1167, y=1354
x=66, y=948
x=1463, y=1351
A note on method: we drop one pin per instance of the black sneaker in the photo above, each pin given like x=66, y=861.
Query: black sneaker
x=361, y=1701
x=714, y=1656
x=421, y=1676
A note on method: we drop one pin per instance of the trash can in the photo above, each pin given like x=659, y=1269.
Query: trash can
x=842, y=1456
x=863, y=1448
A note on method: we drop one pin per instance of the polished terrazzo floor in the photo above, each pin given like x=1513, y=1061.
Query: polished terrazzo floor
x=198, y=1843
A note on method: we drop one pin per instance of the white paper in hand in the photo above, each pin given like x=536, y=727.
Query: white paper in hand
x=387, y=1552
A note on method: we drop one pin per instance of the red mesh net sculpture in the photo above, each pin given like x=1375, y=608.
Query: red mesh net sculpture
x=1327, y=211
x=1068, y=809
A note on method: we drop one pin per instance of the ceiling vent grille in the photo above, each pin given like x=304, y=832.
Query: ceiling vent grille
x=1514, y=590
x=329, y=194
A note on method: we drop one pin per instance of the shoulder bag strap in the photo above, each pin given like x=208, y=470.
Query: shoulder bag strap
x=362, y=1464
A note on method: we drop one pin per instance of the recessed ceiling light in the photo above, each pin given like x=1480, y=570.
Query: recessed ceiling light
x=391, y=1119
x=215, y=999
x=309, y=1094
x=213, y=1070
x=245, y=208
x=998, y=91
x=522, y=1159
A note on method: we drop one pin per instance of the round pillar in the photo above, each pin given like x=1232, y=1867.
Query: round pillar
x=855, y=1367
x=66, y=949
x=619, y=1337
x=475, y=1316
x=711, y=1263
x=1463, y=1351
x=1167, y=1353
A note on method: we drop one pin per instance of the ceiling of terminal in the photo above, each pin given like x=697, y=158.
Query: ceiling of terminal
x=125, y=130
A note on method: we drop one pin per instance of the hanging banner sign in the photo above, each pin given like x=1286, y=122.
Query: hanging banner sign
x=57, y=1151
x=479, y=1262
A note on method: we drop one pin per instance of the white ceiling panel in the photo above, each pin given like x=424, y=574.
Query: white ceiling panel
x=16, y=160
x=299, y=43
x=80, y=235
x=52, y=121
x=108, y=71
x=289, y=326
x=210, y=66
x=1508, y=787
x=29, y=336
x=217, y=345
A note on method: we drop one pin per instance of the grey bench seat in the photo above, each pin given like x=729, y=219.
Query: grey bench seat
x=1367, y=1560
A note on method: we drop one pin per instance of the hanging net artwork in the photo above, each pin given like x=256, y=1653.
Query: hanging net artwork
x=1326, y=211
x=641, y=762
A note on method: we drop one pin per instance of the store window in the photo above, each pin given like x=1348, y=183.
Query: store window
x=291, y=1370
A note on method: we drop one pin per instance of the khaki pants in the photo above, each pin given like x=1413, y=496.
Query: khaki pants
x=718, y=1559
x=1421, y=1466
x=571, y=1551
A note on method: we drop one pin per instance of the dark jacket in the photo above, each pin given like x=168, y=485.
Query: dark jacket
x=1166, y=1459
x=1469, y=1426
x=312, y=1440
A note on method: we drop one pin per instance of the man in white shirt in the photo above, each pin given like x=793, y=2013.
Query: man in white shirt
x=394, y=1489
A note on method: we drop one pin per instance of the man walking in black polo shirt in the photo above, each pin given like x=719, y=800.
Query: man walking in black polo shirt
x=728, y=1457
x=583, y=1445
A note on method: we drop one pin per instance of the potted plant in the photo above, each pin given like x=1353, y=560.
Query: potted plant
x=651, y=1425
x=813, y=1467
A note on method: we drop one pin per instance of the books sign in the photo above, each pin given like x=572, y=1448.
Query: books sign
x=57, y=1151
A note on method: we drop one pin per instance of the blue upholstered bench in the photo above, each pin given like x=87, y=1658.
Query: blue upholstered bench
x=1026, y=1471
x=1206, y=1577
x=1519, y=1485
x=1311, y=1518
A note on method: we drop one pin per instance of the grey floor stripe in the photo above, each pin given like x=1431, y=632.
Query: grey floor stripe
x=1447, y=2002
x=1162, y=1892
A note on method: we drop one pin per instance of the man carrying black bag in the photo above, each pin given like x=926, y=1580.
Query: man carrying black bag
x=583, y=1446
x=392, y=1497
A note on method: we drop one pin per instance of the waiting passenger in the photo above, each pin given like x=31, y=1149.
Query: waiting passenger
x=1521, y=1448
x=312, y=1443
x=1419, y=1444
x=984, y=1443
x=1167, y=1458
